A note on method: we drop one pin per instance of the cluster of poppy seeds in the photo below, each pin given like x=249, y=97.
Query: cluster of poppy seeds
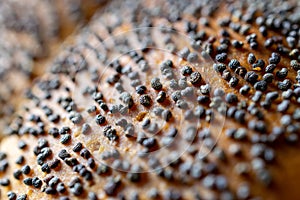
x=144, y=126
x=28, y=31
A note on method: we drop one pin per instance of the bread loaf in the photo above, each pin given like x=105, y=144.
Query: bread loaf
x=164, y=100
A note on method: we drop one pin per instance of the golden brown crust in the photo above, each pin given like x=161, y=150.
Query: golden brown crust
x=91, y=63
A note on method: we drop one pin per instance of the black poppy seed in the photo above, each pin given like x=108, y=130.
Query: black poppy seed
x=239, y=116
x=231, y=110
x=27, y=181
x=226, y=75
x=91, y=163
x=54, y=118
x=263, y=30
x=2, y=156
x=22, y=197
x=63, y=154
x=233, y=82
x=146, y=123
x=257, y=96
x=92, y=196
x=282, y=73
x=86, y=174
x=60, y=188
x=11, y=195
x=283, y=106
x=153, y=128
x=166, y=115
x=219, y=67
x=71, y=161
x=184, y=53
x=251, y=58
x=233, y=64
x=294, y=53
x=20, y=160
x=190, y=134
x=53, y=182
x=251, y=77
x=224, y=33
x=166, y=64
x=65, y=138
x=295, y=65
x=133, y=177
x=186, y=70
x=26, y=169
x=231, y=98
x=86, y=128
x=22, y=144
x=77, y=147
x=135, y=83
x=284, y=85
x=97, y=96
x=241, y=71
x=221, y=57
x=259, y=64
x=195, y=77
x=205, y=89
x=268, y=77
x=196, y=44
x=268, y=42
x=145, y=100
x=118, y=86
x=173, y=84
x=4, y=182
x=237, y=44
x=64, y=130
x=244, y=89
x=45, y=168
x=288, y=94
x=92, y=109
x=156, y=84
x=291, y=41
x=192, y=57
x=253, y=45
x=261, y=85
x=78, y=168
x=54, y=163
x=36, y=182
x=49, y=190
x=182, y=83
x=141, y=89
x=103, y=106
x=110, y=133
x=176, y=95
x=219, y=92
x=243, y=191
x=122, y=122
x=133, y=75
x=111, y=186
x=188, y=115
x=126, y=98
x=85, y=153
x=275, y=58
x=17, y=174
x=42, y=143
x=102, y=169
x=161, y=96
x=203, y=99
x=100, y=119
x=172, y=194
